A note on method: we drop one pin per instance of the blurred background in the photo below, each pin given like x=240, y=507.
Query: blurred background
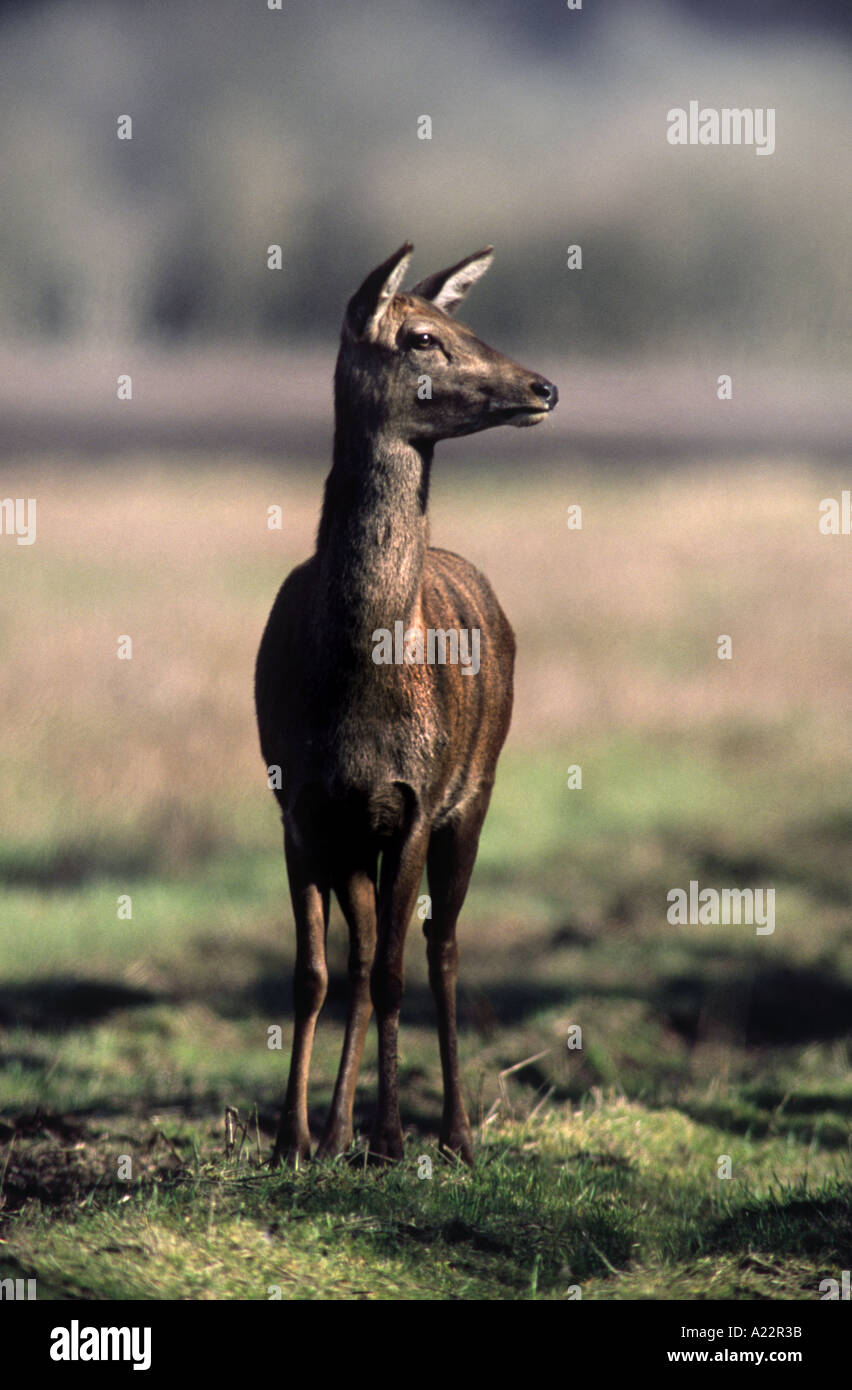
x=141, y=779
x=298, y=128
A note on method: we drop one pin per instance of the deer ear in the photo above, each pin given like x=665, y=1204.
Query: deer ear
x=366, y=309
x=447, y=288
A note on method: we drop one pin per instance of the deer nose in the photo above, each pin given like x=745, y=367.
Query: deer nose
x=547, y=391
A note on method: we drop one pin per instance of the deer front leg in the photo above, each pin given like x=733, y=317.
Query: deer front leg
x=402, y=870
x=310, y=981
x=452, y=853
x=356, y=893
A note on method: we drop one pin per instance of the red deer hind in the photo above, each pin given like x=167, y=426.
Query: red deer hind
x=389, y=760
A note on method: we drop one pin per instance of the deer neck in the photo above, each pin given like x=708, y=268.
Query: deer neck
x=373, y=534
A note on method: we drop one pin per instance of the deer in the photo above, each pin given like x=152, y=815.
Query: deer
x=385, y=768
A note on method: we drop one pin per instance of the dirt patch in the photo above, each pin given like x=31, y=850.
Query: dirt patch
x=60, y=1161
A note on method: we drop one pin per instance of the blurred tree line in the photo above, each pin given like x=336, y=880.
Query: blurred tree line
x=299, y=128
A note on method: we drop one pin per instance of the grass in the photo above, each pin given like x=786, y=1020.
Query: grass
x=136, y=787
x=613, y=1202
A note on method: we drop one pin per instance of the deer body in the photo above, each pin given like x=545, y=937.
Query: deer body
x=391, y=760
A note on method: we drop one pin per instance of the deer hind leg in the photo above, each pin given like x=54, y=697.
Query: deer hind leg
x=402, y=869
x=309, y=895
x=452, y=853
x=356, y=893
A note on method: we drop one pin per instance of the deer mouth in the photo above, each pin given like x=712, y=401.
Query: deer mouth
x=521, y=415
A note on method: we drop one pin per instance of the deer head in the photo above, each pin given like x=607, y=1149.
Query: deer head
x=408, y=371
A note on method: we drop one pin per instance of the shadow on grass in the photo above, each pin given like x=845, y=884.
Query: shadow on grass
x=759, y=1005
x=58, y=1004
x=735, y=997
x=830, y=1126
x=793, y=1225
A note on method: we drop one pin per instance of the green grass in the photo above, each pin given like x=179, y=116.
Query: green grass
x=614, y=1201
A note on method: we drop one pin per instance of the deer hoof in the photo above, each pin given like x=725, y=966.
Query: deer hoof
x=386, y=1148
x=292, y=1153
x=458, y=1145
x=334, y=1142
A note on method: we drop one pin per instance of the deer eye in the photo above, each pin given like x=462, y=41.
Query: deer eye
x=422, y=340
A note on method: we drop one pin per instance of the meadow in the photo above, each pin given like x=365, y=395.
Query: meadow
x=147, y=944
